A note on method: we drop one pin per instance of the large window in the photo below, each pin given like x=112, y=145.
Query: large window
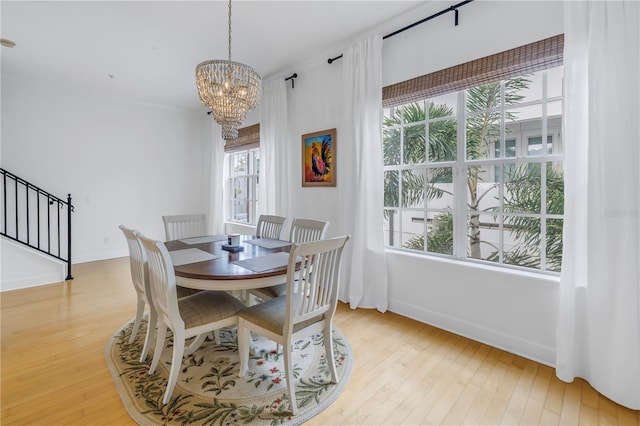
x=477, y=173
x=244, y=168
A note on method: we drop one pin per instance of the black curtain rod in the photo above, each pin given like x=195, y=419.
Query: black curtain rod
x=453, y=8
x=291, y=77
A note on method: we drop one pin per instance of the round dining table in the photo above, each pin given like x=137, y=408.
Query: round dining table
x=222, y=272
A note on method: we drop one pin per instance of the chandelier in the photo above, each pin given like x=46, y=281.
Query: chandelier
x=230, y=89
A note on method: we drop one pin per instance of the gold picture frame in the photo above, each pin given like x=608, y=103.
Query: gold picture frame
x=319, y=158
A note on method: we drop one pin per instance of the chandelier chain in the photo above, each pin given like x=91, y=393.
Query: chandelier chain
x=229, y=30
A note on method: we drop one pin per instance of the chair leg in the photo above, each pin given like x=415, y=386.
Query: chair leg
x=243, y=347
x=138, y=320
x=176, y=363
x=328, y=348
x=288, y=371
x=162, y=335
x=193, y=346
x=151, y=332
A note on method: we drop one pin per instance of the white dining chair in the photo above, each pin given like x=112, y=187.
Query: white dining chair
x=270, y=226
x=302, y=231
x=307, y=309
x=140, y=279
x=184, y=226
x=191, y=316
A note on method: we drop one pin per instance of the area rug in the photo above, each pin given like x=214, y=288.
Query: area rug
x=209, y=391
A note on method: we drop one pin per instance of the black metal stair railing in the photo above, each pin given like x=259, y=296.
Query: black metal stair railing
x=35, y=218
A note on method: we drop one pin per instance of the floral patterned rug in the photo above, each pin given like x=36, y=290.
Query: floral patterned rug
x=209, y=391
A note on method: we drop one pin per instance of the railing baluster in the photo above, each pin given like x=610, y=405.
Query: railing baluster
x=16, y=197
x=69, y=209
x=38, y=195
x=49, y=224
x=26, y=194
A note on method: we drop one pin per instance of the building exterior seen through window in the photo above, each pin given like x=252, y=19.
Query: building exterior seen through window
x=478, y=174
x=244, y=170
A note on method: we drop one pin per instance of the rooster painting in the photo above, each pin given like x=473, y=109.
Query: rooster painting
x=318, y=158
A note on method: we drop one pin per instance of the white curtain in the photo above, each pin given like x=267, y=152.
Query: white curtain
x=217, y=181
x=274, y=149
x=360, y=178
x=598, y=335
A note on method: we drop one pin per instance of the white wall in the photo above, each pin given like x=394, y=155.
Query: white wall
x=511, y=310
x=124, y=162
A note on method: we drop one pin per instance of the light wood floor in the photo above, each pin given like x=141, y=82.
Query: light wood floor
x=406, y=372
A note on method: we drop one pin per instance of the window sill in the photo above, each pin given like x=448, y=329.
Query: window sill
x=546, y=279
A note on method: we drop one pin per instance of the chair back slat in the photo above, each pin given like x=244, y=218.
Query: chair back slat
x=162, y=279
x=137, y=261
x=184, y=226
x=270, y=226
x=305, y=230
x=316, y=290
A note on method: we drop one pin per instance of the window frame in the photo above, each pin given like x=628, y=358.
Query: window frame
x=460, y=209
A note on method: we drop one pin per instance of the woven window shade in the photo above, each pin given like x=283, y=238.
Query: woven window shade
x=248, y=138
x=525, y=59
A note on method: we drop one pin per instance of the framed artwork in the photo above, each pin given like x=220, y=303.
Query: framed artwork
x=319, y=158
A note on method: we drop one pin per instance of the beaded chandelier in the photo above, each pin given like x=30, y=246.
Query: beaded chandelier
x=230, y=89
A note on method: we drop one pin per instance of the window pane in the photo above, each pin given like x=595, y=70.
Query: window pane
x=413, y=230
x=440, y=188
x=483, y=237
x=522, y=190
x=555, y=188
x=414, y=144
x=440, y=233
x=535, y=147
x=482, y=98
x=522, y=241
x=391, y=147
x=554, y=82
x=526, y=116
x=391, y=188
x=443, y=140
x=413, y=112
x=554, y=109
x=482, y=191
x=443, y=106
x=527, y=88
x=391, y=228
x=554, y=244
x=413, y=188
x=483, y=131
x=240, y=211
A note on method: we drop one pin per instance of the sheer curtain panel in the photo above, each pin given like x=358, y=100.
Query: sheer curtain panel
x=274, y=148
x=217, y=178
x=598, y=335
x=362, y=191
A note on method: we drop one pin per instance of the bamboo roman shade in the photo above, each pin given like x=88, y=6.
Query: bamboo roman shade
x=525, y=59
x=248, y=138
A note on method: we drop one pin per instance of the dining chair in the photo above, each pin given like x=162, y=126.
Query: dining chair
x=140, y=278
x=307, y=309
x=302, y=231
x=270, y=226
x=184, y=226
x=192, y=316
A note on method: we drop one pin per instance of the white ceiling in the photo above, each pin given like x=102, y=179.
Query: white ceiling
x=148, y=50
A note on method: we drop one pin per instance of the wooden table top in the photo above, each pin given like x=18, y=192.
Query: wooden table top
x=222, y=268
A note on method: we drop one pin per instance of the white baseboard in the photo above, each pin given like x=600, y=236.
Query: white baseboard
x=33, y=281
x=513, y=344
